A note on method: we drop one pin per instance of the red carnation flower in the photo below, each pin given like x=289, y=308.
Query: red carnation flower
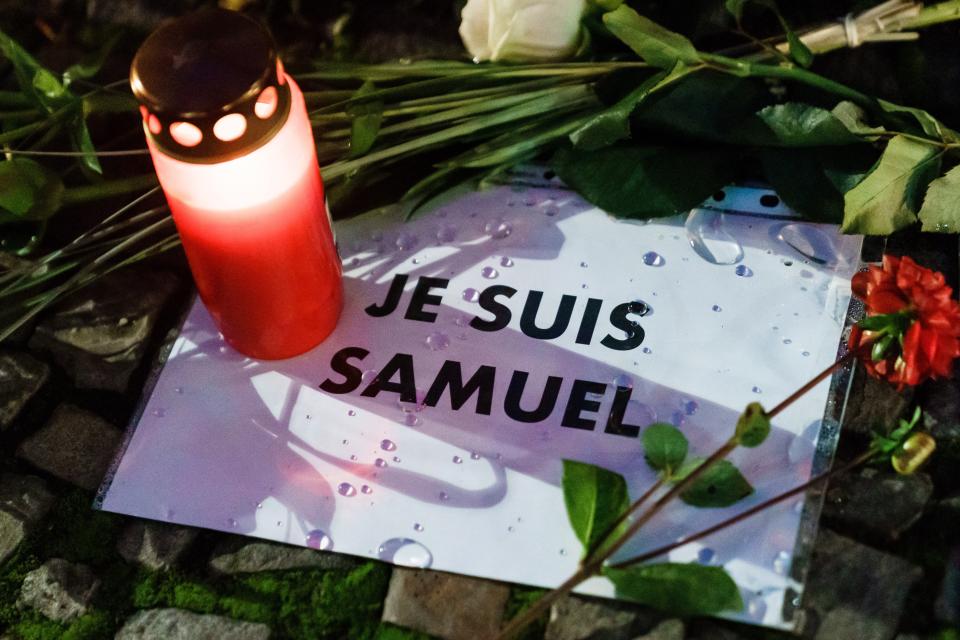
x=912, y=322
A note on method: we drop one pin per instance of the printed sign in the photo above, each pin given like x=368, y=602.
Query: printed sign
x=482, y=343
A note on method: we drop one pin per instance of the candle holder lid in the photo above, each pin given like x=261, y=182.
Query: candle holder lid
x=210, y=86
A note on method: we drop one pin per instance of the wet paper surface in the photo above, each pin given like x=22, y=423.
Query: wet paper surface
x=320, y=451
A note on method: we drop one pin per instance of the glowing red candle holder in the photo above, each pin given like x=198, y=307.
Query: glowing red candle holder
x=231, y=142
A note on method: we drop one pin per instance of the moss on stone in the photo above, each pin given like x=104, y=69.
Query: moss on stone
x=78, y=533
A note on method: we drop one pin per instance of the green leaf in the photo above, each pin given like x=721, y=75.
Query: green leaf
x=47, y=92
x=595, y=499
x=719, y=486
x=888, y=443
x=646, y=182
x=941, y=206
x=28, y=191
x=90, y=65
x=680, y=589
x=887, y=199
x=613, y=123
x=930, y=125
x=707, y=105
x=799, y=178
x=854, y=118
x=664, y=447
x=365, y=124
x=753, y=426
x=801, y=125
x=657, y=46
x=798, y=51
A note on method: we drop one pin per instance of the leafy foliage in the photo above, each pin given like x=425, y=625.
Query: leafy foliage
x=664, y=448
x=889, y=443
x=753, y=426
x=889, y=197
x=657, y=46
x=682, y=589
x=721, y=485
x=646, y=181
x=941, y=206
x=49, y=93
x=28, y=191
x=595, y=498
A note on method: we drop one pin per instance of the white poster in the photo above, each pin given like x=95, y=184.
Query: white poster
x=480, y=344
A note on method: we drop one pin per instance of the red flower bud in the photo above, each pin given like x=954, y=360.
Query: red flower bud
x=920, y=316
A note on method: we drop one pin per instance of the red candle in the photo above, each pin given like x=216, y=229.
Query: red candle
x=244, y=188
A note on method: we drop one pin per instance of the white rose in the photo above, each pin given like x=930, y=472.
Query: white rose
x=522, y=30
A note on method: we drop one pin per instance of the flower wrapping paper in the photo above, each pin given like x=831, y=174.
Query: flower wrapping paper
x=323, y=450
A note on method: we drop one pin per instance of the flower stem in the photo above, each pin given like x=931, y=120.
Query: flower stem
x=594, y=563
x=629, y=512
x=862, y=458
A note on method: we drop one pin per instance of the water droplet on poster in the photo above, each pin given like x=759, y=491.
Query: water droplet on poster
x=351, y=413
x=647, y=350
x=787, y=263
x=743, y=271
x=318, y=539
x=411, y=420
x=641, y=308
x=345, y=441
x=346, y=489
x=498, y=229
x=368, y=375
x=231, y=522
x=457, y=459
x=530, y=201
x=805, y=354
x=717, y=308
x=160, y=412
x=366, y=489
x=506, y=262
x=474, y=455
x=678, y=418
x=444, y=496
x=406, y=553
x=415, y=261
x=380, y=462
x=787, y=341
x=388, y=445
x=690, y=407
x=470, y=294
x=584, y=286
x=437, y=341
x=446, y=233
x=178, y=390
x=810, y=242
x=563, y=552
x=353, y=458
x=756, y=608
x=781, y=564
x=489, y=273
x=406, y=241
x=551, y=211
x=583, y=264
x=653, y=259
x=706, y=555
x=510, y=529
x=417, y=526
x=710, y=240
x=396, y=458
x=757, y=390
x=623, y=380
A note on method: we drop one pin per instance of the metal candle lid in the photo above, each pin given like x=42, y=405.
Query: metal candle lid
x=210, y=86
